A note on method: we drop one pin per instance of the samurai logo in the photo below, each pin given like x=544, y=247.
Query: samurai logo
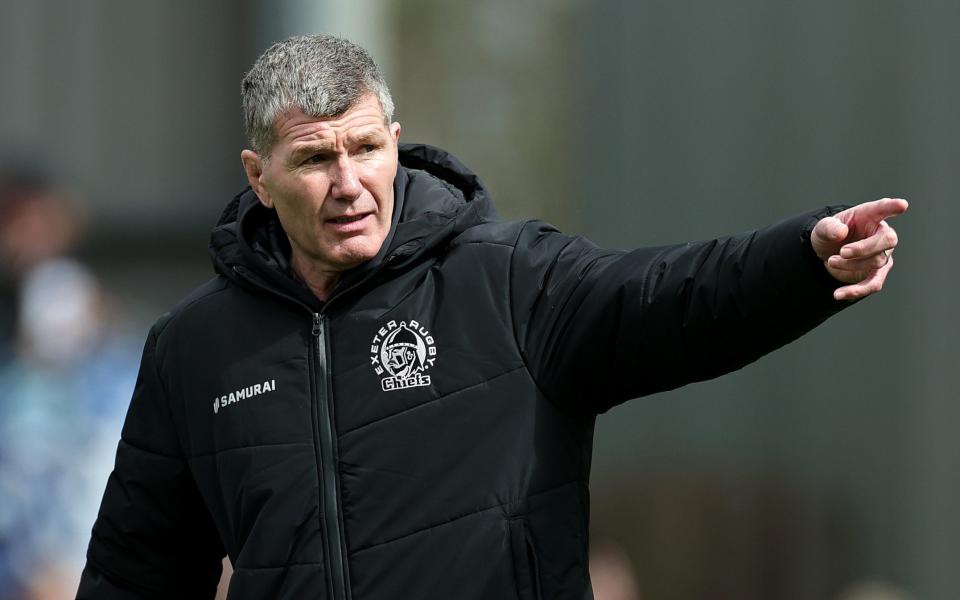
x=400, y=353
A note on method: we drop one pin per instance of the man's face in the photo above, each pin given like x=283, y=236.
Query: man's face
x=331, y=183
x=400, y=358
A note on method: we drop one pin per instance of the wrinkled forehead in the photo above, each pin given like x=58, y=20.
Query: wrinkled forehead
x=320, y=134
x=364, y=118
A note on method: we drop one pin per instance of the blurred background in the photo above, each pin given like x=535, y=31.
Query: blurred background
x=830, y=469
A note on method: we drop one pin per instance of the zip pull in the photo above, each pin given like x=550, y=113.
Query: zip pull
x=316, y=324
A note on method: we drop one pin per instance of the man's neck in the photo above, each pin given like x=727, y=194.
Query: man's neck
x=320, y=281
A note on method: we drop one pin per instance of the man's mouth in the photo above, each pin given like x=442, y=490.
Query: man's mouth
x=350, y=219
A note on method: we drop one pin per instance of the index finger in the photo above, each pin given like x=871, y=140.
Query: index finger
x=884, y=208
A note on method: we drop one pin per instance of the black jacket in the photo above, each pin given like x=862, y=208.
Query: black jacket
x=427, y=432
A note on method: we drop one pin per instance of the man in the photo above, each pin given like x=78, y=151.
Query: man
x=404, y=388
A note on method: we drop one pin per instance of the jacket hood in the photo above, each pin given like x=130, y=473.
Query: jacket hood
x=436, y=198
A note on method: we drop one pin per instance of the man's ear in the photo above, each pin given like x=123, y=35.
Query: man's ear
x=253, y=166
x=395, y=131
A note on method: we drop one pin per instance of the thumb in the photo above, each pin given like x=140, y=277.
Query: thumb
x=827, y=236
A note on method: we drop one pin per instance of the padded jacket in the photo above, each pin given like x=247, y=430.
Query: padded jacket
x=426, y=433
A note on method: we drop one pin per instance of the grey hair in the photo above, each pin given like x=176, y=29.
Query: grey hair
x=322, y=75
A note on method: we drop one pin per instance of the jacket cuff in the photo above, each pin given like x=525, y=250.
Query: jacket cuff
x=827, y=211
x=823, y=283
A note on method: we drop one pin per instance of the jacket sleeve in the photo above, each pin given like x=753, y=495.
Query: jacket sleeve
x=153, y=537
x=598, y=327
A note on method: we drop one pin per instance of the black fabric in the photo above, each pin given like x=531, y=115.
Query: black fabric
x=459, y=472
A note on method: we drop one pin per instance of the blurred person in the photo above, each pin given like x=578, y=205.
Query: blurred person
x=37, y=223
x=66, y=379
x=873, y=590
x=386, y=392
x=611, y=573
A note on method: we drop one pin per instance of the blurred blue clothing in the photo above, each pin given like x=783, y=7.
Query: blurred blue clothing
x=58, y=430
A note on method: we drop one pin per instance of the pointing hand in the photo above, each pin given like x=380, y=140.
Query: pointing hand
x=856, y=246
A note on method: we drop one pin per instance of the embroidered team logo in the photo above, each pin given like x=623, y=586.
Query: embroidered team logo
x=400, y=353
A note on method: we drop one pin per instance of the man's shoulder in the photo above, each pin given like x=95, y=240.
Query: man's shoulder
x=503, y=233
x=202, y=295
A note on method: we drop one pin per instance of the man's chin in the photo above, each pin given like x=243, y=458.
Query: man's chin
x=356, y=251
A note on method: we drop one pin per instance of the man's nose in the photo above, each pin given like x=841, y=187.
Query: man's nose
x=346, y=182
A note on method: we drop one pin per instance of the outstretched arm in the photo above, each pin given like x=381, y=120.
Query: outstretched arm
x=598, y=327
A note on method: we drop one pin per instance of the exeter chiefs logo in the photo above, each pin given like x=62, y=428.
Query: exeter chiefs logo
x=400, y=353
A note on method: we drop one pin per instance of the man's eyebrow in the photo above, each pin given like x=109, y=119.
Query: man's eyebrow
x=313, y=148
x=368, y=137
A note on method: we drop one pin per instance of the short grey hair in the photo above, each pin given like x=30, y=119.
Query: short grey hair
x=322, y=75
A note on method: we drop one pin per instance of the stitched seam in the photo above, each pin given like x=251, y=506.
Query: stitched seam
x=302, y=564
x=165, y=395
x=153, y=452
x=431, y=401
x=174, y=316
x=463, y=516
x=233, y=448
x=157, y=367
x=487, y=242
x=127, y=584
x=513, y=323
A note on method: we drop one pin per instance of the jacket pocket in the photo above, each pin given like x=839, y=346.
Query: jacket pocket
x=525, y=568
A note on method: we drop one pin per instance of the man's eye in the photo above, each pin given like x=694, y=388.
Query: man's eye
x=316, y=159
x=367, y=148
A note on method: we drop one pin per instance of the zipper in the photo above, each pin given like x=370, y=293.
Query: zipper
x=324, y=444
x=327, y=465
